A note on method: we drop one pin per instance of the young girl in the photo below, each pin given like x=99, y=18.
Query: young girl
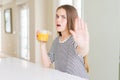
x=69, y=49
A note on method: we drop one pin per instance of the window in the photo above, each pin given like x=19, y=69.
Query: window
x=8, y=20
x=76, y=3
x=24, y=32
x=0, y=28
x=61, y=2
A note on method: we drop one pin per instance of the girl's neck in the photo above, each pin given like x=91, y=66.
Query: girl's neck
x=64, y=36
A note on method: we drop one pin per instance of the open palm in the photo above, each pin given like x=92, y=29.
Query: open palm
x=80, y=34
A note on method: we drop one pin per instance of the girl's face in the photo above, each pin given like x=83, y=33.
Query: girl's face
x=61, y=20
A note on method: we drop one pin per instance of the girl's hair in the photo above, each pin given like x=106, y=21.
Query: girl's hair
x=72, y=14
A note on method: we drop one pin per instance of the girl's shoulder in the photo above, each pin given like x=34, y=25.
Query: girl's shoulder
x=72, y=42
x=55, y=41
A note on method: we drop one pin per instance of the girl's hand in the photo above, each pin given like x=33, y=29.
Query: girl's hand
x=81, y=35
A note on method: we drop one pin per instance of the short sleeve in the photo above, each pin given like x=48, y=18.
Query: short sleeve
x=51, y=52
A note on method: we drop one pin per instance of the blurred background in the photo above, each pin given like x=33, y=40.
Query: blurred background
x=21, y=19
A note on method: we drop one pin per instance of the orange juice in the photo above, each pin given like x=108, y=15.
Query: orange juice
x=43, y=36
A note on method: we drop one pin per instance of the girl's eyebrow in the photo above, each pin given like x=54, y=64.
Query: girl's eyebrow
x=60, y=15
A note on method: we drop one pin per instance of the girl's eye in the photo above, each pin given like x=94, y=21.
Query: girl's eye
x=57, y=16
x=63, y=17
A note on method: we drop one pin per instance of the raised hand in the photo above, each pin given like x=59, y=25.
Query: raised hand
x=81, y=35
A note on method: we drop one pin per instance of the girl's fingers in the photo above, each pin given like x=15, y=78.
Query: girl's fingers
x=82, y=25
x=79, y=24
x=76, y=24
x=86, y=27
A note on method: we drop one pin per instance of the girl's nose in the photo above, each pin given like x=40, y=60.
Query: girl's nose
x=58, y=19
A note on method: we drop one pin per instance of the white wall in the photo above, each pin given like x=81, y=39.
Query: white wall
x=43, y=20
x=10, y=42
x=103, y=20
x=41, y=16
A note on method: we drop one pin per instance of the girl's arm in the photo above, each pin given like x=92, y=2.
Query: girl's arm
x=44, y=56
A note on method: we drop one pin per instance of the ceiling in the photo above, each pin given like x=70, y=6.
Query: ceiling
x=2, y=2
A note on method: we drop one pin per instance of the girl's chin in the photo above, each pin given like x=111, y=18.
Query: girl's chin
x=58, y=30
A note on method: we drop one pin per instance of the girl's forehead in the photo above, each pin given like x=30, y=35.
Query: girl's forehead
x=61, y=11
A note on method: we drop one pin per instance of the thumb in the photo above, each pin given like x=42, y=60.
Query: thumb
x=72, y=32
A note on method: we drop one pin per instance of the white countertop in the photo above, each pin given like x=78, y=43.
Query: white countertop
x=18, y=69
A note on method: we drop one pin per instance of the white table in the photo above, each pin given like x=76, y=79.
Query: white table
x=18, y=69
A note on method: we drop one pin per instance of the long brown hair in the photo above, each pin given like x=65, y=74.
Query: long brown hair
x=72, y=14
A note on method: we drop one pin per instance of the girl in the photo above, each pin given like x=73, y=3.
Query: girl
x=69, y=49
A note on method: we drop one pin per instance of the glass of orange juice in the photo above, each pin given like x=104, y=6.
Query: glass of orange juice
x=43, y=35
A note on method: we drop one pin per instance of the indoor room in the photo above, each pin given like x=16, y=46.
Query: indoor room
x=20, y=53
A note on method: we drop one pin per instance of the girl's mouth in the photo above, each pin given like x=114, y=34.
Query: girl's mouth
x=58, y=25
